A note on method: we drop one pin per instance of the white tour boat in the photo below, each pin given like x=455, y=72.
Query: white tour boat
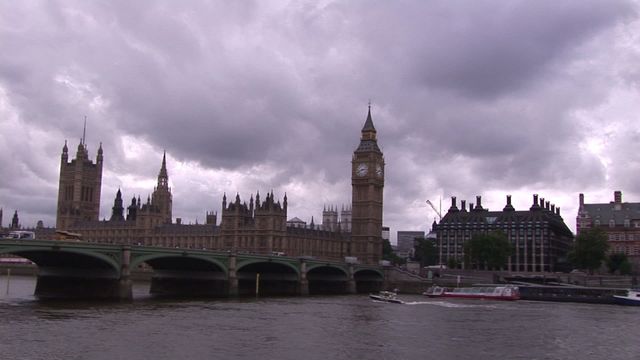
x=507, y=292
x=386, y=296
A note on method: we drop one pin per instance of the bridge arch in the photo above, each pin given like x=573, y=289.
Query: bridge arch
x=268, y=277
x=248, y=262
x=199, y=261
x=185, y=275
x=327, y=279
x=63, y=257
x=342, y=269
x=71, y=270
x=369, y=272
x=368, y=280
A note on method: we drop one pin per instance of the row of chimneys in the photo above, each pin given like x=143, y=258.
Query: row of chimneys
x=463, y=205
x=617, y=198
x=540, y=204
x=544, y=205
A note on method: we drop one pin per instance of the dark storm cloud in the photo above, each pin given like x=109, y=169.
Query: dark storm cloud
x=467, y=96
x=480, y=49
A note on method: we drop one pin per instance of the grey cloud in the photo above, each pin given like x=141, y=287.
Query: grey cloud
x=483, y=50
x=483, y=85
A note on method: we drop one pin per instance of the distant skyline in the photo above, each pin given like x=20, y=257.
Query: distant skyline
x=474, y=98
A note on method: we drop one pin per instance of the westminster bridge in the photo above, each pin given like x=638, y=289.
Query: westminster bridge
x=103, y=271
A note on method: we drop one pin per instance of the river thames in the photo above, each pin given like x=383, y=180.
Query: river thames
x=317, y=327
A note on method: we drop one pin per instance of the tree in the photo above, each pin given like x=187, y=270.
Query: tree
x=619, y=262
x=452, y=263
x=488, y=251
x=388, y=254
x=589, y=249
x=425, y=252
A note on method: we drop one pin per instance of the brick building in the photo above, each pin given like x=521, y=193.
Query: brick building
x=539, y=236
x=619, y=220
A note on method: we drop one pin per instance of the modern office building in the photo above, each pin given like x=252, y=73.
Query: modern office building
x=386, y=234
x=406, y=242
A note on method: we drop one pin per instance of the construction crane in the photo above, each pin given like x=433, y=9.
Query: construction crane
x=434, y=209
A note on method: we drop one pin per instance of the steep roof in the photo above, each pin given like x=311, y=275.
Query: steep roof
x=607, y=211
x=368, y=141
x=368, y=124
x=484, y=217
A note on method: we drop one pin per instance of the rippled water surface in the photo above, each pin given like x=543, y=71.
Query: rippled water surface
x=323, y=327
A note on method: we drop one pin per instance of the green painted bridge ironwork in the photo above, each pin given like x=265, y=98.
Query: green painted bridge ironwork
x=89, y=270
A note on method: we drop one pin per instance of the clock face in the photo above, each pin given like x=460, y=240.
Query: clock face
x=362, y=169
x=379, y=170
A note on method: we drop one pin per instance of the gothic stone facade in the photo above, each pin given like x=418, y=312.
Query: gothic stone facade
x=367, y=183
x=259, y=227
x=539, y=236
x=79, y=187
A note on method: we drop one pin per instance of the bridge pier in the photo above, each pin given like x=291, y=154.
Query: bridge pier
x=351, y=282
x=232, y=281
x=125, y=285
x=303, y=283
x=386, y=284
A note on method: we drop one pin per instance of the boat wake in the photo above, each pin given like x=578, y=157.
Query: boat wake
x=386, y=302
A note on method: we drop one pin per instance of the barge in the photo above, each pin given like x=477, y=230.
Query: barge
x=579, y=294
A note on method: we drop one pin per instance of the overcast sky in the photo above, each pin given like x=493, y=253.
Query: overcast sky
x=469, y=98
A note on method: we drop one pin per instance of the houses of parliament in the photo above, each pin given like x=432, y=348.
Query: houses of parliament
x=260, y=226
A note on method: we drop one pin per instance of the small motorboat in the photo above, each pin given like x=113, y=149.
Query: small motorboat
x=632, y=298
x=507, y=292
x=386, y=296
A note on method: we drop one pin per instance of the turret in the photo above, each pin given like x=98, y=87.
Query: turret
x=117, y=210
x=99, y=156
x=81, y=152
x=65, y=153
x=132, y=210
x=368, y=130
x=163, y=176
x=162, y=197
x=15, y=222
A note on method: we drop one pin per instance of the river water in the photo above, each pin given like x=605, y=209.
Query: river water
x=307, y=328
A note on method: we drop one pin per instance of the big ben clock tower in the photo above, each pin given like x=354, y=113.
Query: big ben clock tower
x=367, y=182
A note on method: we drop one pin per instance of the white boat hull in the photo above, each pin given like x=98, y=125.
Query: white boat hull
x=385, y=298
x=632, y=298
